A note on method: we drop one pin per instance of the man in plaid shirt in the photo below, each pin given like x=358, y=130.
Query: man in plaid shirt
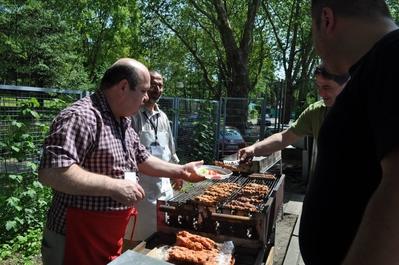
x=91, y=160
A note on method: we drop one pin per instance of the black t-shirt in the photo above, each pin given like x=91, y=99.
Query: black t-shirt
x=357, y=132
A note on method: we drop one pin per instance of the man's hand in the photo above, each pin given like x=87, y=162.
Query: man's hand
x=127, y=192
x=189, y=173
x=245, y=155
x=177, y=184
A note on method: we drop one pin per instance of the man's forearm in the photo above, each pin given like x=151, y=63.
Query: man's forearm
x=275, y=142
x=269, y=145
x=76, y=181
x=156, y=167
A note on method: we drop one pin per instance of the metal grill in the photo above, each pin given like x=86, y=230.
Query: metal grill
x=199, y=188
x=245, y=228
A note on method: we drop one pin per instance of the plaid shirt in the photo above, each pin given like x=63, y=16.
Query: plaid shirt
x=86, y=133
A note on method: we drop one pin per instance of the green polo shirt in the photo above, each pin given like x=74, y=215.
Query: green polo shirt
x=310, y=120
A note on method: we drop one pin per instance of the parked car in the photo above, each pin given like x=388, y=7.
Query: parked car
x=189, y=120
x=272, y=130
x=230, y=141
x=190, y=123
x=267, y=121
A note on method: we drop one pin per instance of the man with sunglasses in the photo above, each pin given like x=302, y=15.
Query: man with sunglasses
x=307, y=124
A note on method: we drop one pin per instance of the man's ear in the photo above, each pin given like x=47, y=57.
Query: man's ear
x=327, y=19
x=123, y=87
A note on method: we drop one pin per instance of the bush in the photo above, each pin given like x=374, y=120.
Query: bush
x=23, y=199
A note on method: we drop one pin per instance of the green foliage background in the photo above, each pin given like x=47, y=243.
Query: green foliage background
x=23, y=199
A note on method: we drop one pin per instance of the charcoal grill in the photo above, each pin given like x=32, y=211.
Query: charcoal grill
x=251, y=232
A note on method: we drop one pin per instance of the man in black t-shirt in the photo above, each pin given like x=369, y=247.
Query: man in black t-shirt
x=351, y=209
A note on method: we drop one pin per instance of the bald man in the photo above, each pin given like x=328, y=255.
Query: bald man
x=91, y=160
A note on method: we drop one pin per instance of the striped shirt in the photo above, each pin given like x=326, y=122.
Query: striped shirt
x=86, y=133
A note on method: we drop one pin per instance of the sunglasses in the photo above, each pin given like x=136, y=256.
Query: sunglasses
x=340, y=79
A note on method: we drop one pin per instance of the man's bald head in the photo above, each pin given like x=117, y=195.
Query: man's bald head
x=125, y=68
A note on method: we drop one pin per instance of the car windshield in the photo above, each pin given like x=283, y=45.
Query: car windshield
x=192, y=118
x=230, y=134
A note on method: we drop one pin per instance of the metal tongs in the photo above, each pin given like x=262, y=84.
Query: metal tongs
x=232, y=162
x=237, y=162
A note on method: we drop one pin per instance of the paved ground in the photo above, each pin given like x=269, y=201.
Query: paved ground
x=286, y=250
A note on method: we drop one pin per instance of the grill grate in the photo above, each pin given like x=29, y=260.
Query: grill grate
x=246, y=227
x=199, y=188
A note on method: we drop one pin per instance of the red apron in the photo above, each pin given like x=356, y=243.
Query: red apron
x=95, y=237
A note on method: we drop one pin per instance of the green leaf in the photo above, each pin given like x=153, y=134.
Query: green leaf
x=10, y=225
x=13, y=201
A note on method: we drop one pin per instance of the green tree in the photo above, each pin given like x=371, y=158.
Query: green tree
x=220, y=37
x=35, y=47
x=394, y=7
x=290, y=26
x=225, y=39
x=105, y=32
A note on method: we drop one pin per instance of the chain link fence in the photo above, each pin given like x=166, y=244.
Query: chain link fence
x=22, y=132
x=197, y=125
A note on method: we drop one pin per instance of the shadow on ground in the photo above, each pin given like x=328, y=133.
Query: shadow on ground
x=292, y=169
